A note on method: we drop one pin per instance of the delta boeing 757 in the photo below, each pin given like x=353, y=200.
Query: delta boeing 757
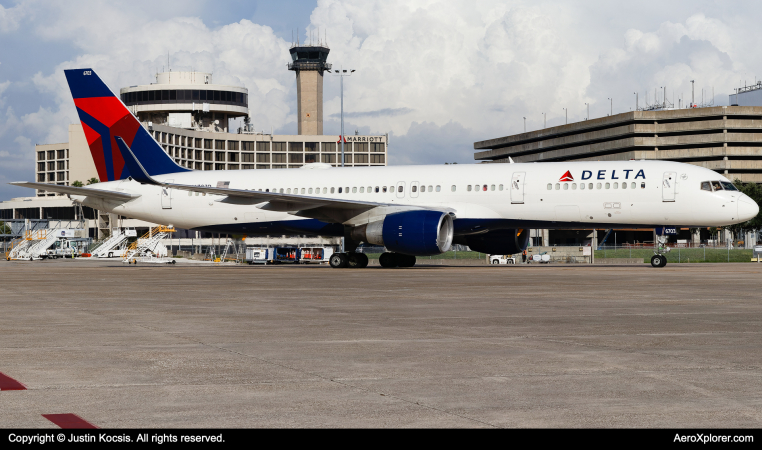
x=410, y=210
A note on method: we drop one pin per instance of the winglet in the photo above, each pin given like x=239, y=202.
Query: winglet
x=137, y=171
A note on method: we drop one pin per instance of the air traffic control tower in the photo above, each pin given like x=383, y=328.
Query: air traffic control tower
x=309, y=63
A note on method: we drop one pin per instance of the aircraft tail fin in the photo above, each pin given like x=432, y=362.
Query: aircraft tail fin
x=103, y=117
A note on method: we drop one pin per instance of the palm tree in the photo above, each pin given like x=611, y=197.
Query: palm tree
x=77, y=183
x=93, y=180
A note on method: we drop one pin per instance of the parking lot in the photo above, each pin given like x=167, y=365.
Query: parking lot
x=196, y=345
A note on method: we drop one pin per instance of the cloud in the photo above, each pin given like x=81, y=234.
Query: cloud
x=376, y=113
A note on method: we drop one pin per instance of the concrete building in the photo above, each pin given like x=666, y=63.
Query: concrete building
x=726, y=139
x=309, y=63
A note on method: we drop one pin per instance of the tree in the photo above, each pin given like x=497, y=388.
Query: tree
x=5, y=228
x=77, y=183
x=93, y=180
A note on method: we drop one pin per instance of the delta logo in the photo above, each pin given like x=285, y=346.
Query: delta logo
x=602, y=175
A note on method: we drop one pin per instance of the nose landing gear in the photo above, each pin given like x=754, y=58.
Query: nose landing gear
x=658, y=260
x=660, y=247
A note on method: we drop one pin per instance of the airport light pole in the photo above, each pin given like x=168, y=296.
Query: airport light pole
x=588, y=111
x=525, y=124
x=566, y=112
x=612, y=106
x=544, y=120
x=341, y=74
x=636, y=101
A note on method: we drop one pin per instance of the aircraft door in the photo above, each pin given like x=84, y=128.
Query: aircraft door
x=166, y=196
x=400, y=189
x=517, y=187
x=414, y=189
x=668, y=186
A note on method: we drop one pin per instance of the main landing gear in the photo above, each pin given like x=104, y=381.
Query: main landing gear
x=351, y=260
x=390, y=259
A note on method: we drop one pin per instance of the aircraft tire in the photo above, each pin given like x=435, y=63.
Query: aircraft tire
x=658, y=261
x=338, y=261
x=362, y=259
x=353, y=260
x=388, y=260
x=406, y=260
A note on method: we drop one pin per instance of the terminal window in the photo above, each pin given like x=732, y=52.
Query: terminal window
x=248, y=146
x=279, y=158
x=263, y=157
x=40, y=156
x=263, y=146
x=328, y=147
x=311, y=158
x=279, y=146
x=295, y=147
x=219, y=145
x=375, y=147
x=232, y=145
x=330, y=159
x=377, y=159
x=232, y=157
x=361, y=146
x=310, y=146
x=295, y=158
x=219, y=156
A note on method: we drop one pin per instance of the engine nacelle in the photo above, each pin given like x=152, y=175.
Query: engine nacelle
x=499, y=242
x=418, y=233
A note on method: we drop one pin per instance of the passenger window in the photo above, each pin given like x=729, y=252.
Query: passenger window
x=566, y=186
x=384, y=189
x=643, y=185
x=267, y=190
x=431, y=188
x=414, y=188
x=590, y=186
x=332, y=190
x=705, y=186
x=632, y=185
x=377, y=190
x=492, y=188
x=310, y=191
x=288, y=191
x=484, y=188
x=370, y=189
x=400, y=188
x=558, y=186
x=439, y=188
x=339, y=190
x=574, y=186
x=598, y=185
x=302, y=190
x=616, y=185
x=468, y=188
x=582, y=186
x=453, y=188
x=281, y=190
x=608, y=185
x=550, y=186
x=624, y=185
x=346, y=190
x=500, y=188
x=354, y=190
x=362, y=189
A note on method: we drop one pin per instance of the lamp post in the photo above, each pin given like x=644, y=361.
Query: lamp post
x=612, y=106
x=341, y=74
x=566, y=112
x=525, y=124
x=588, y=111
x=636, y=101
x=544, y=120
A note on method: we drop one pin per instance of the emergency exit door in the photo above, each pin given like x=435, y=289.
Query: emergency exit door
x=517, y=187
x=668, y=186
x=166, y=196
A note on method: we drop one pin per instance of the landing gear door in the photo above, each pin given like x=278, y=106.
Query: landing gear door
x=668, y=186
x=166, y=196
x=400, y=188
x=517, y=187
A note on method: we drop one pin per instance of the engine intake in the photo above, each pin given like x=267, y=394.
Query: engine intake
x=419, y=233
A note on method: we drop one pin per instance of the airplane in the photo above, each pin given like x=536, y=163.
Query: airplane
x=410, y=210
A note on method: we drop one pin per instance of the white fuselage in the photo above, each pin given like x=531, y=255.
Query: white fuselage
x=656, y=193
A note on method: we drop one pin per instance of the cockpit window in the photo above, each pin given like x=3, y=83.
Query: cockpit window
x=716, y=185
x=728, y=186
x=706, y=186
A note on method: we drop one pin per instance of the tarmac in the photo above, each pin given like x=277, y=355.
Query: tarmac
x=283, y=346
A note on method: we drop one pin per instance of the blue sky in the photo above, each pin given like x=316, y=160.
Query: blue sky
x=436, y=76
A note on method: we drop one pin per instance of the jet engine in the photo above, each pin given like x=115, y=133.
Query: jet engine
x=498, y=242
x=418, y=233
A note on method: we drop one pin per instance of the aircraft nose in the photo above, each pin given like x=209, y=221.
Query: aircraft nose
x=747, y=208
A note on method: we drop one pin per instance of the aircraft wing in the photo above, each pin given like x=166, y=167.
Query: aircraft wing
x=81, y=191
x=325, y=209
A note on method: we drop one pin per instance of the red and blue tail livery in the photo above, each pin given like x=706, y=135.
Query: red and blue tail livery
x=104, y=117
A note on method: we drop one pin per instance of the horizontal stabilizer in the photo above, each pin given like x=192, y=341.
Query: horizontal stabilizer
x=80, y=191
